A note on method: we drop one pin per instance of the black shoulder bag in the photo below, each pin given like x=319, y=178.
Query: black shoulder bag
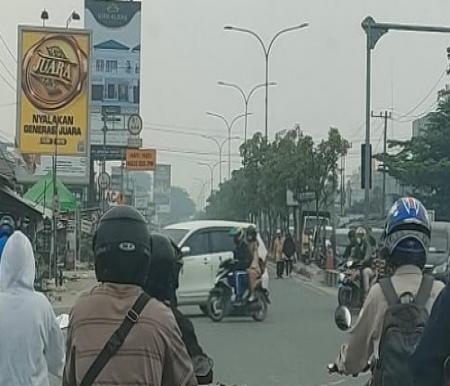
x=116, y=340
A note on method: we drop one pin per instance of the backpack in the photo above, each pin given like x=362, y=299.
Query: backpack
x=403, y=326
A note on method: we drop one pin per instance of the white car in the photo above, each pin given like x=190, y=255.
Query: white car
x=205, y=244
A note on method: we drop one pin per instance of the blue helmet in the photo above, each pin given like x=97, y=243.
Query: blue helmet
x=408, y=227
x=6, y=226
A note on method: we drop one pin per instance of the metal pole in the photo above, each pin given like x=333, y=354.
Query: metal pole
x=367, y=141
x=55, y=209
x=246, y=120
x=267, y=97
x=105, y=129
x=229, y=151
x=386, y=117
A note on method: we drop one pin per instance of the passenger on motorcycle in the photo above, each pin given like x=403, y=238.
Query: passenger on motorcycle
x=117, y=333
x=162, y=284
x=362, y=255
x=257, y=264
x=406, y=242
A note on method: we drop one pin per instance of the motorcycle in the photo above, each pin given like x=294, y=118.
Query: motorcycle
x=350, y=292
x=230, y=295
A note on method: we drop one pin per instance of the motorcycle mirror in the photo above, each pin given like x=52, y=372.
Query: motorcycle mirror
x=185, y=251
x=63, y=321
x=447, y=371
x=343, y=318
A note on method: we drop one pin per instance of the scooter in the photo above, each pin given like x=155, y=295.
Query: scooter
x=230, y=295
x=350, y=293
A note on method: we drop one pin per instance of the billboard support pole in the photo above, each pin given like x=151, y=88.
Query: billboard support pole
x=55, y=208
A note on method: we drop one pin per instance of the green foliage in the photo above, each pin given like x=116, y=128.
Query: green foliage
x=181, y=206
x=292, y=161
x=423, y=163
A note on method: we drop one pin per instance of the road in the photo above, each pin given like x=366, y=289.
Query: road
x=291, y=348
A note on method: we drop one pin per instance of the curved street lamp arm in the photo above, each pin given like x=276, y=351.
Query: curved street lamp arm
x=278, y=34
x=206, y=164
x=258, y=86
x=237, y=118
x=235, y=86
x=210, y=138
x=219, y=116
x=245, y=30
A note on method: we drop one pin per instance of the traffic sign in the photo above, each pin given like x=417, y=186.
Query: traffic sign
x=135, y=124
x=104, y=181
x=143, y=159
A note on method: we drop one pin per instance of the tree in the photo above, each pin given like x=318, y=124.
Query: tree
x=423, y=163
x=181, y=206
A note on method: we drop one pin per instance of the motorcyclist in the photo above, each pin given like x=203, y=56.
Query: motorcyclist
x=7, y=227
x=162, y=283
x=407, y=237
x=351, y=244
x=362, y=254
x=241, y=253
x=153, y=352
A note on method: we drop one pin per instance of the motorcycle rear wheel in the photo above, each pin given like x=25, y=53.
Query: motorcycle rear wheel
x=261, y=314
x=216, y=307
x=345, y=296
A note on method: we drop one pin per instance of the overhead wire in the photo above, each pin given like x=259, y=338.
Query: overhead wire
x=7, y=48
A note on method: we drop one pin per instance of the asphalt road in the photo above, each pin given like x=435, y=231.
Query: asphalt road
x=290, y=348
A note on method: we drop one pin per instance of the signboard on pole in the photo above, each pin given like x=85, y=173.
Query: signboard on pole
x=161, y=188
x=116, y=55
x=53, y=91
x=141, y=159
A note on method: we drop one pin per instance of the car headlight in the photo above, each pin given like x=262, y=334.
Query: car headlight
x=440, y=269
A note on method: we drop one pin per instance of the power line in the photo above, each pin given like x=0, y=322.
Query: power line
x=7, y=69
x=408, y=114
x=7, y=82
x=7, y=47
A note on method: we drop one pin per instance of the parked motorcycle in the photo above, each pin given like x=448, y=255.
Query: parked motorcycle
x=230, y=295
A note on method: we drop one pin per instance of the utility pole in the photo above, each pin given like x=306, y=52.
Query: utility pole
x=385, y=116
x=342, y=184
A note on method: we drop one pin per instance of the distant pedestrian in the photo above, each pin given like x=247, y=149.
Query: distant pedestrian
x=277, y=253
x=289, y=251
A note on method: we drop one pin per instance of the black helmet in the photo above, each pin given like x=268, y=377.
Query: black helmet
x=121, y=247
x=162, y=280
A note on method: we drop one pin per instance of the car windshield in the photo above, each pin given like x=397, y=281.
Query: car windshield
x=175, y=234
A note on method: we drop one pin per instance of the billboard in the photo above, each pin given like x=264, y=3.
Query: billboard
x=115, y=66
x=53, y=91
x=161, y=188
x=141, y=159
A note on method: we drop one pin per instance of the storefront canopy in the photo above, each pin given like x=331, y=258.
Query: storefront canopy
x=42, y=193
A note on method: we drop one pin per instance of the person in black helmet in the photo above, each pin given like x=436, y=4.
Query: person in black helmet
x=152, y=352
x=162, y=283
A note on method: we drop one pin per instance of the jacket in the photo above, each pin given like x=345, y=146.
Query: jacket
x=3, y=240
x=277, y=249
x=365, y=336
x=289, y=247
x=153, y=353
x=434, y=346
x=242, y=255
x=31, y=342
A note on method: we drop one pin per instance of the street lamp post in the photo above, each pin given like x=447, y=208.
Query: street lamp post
x=73, y=16
x=267, y=49
x=375, y=32
x=229, y=126
x=211, y=170
x=220, y=146
x=246, y=98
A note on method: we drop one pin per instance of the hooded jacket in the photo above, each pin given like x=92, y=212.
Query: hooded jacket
x=31, y=342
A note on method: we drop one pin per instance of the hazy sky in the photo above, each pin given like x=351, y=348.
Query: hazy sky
x=320, y=70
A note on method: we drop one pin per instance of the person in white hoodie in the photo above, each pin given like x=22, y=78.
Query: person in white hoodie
x=31, y=342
